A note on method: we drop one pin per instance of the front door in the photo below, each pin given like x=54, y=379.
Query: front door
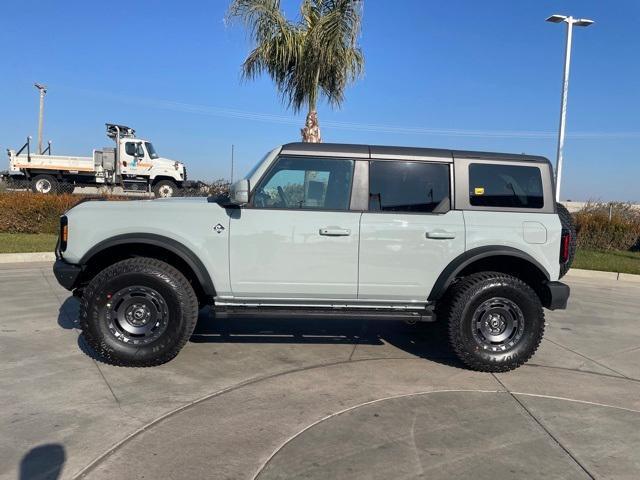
x=409, y=234
x=297, y=238
x=132, y=158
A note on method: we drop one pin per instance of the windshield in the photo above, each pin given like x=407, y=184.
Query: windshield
x=151, y=150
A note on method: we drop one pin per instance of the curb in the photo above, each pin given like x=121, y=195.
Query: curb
x=27, y=257
x=573, y=273
x=613, y=276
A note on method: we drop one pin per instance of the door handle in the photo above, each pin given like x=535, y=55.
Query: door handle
x=335, y=232
x=441, y=235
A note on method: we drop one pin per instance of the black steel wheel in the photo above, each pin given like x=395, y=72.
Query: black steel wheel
x=138, y=312
x=495, y=321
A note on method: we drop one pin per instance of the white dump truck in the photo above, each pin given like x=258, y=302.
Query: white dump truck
x=132, y=165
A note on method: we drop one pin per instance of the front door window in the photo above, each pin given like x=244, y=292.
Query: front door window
x=306, y=183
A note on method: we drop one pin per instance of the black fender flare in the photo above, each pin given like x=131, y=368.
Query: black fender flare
x=465, y=259
x=175, y=247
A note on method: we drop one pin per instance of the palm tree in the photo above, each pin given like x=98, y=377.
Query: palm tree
x=317, y=55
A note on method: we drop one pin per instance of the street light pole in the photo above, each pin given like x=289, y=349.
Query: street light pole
x=570, y=21
x=43, y=92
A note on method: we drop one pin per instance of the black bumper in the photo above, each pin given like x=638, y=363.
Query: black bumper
x=556, y=295
x=66, y=273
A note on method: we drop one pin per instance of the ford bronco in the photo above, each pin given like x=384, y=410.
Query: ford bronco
x=474, y=240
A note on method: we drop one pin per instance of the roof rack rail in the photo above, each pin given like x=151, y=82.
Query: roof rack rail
x=115, y=131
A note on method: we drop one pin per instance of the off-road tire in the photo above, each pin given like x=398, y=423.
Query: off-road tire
x=567, y=224
x=41, y=181
x=163, y=185
x=97, y=319
x=463, y=301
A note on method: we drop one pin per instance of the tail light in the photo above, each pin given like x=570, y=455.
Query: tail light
x=565, y=243
x=64, y=232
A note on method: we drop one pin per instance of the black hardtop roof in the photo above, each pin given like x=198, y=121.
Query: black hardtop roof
x=369, y=151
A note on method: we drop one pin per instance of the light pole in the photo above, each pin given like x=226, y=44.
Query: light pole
x=570, y=21
x=43, y=92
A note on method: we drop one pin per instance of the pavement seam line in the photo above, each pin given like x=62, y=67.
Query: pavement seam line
x=545, y=429
x=588, y=358
x=78, y=332
x=566, y=399
x=360, y=405
x=88, y=468
x=590, y=372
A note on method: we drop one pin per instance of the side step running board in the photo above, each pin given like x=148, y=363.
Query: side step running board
x=424, y=315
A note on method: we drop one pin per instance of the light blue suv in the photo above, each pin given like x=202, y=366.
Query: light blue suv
x=472, y=239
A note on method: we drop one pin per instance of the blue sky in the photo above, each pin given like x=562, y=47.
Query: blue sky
x=458, y=74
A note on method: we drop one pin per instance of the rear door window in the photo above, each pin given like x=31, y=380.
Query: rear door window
x=415, y=187
x=510, y=186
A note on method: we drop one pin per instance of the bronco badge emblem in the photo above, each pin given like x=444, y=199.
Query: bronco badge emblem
x=219, y=228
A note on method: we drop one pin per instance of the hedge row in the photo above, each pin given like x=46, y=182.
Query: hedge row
x=597, y=231
x=27, y=212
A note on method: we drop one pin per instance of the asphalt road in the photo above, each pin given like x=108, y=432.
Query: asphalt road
x=291, y=399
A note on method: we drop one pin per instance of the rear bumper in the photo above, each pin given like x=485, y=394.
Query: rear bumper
x=67, y=274
x=556, y=295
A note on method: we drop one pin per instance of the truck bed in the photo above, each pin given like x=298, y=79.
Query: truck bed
x=53, y=162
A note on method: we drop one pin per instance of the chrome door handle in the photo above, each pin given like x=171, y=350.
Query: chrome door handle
x=441, y=235
x=335, y=232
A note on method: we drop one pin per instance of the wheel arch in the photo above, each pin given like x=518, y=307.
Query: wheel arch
x=160, y=178
x=149, y=245
x=492, y=258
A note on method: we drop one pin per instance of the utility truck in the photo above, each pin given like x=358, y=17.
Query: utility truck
x=132, y=164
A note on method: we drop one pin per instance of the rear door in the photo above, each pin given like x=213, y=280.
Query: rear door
x=409, y=233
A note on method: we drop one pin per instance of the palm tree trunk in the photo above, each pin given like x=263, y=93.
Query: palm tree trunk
x=311, y=130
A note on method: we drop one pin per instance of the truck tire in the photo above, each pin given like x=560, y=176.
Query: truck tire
x=566, y=220
x=67, y=187
x=495, y=321
x=138, y=312
x=44, y=184
x=165, y=189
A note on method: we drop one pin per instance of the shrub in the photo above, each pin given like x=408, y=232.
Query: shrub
x=596, y=231
x=28, y=212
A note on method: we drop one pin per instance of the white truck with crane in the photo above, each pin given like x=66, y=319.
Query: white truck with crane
x=132, y=164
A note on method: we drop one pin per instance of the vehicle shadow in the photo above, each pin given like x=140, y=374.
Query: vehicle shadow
x=43, y=462
x=423, y=340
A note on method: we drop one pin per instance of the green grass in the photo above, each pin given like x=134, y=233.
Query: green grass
x=614, y=261
x=27, y=242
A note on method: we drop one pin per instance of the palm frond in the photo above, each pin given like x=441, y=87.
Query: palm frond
x=317, y=56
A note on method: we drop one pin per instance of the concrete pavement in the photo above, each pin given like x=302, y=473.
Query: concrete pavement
x=317, y=399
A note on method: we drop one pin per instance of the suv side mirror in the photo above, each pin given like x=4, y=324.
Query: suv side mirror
x=239, y=192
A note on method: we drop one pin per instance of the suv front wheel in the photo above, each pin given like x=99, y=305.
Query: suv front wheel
x=495, y=321
x=138, y=312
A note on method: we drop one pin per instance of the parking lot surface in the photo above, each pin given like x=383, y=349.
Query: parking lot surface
x=285, y=399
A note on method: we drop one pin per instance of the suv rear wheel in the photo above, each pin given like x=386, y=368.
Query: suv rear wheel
x=138, y=312
x=495, y=321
